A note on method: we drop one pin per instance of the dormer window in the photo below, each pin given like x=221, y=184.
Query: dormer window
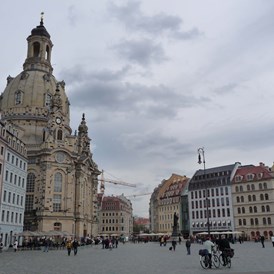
x=249, y=177
x=238, y=178
x=260, y=175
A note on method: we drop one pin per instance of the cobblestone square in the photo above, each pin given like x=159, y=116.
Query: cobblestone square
x=139, y=258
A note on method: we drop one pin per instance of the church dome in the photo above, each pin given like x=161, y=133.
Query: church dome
x=28, y=97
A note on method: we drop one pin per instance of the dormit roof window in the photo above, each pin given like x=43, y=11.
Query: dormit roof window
x=238, y=178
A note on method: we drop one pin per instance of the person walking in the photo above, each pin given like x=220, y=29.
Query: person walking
x=262, y=241
x=188, y=245
x=272, y=240
x=224, y=245
x=173, y=243
x=15, y=245
x=75, y=246
x=208, y=244
x=69, y=246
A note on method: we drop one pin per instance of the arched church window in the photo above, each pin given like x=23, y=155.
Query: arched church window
x=30, y=182
x=18, y=97
x=48, y=99
x=59, y=134
x=47, y=53
x=36, y=49
x=58, y=182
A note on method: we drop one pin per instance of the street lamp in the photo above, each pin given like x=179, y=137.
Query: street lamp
x=201, y=159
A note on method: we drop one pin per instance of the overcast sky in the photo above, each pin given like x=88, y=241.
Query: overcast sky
x=157, y=79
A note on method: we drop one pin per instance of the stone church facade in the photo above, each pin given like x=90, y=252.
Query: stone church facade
x=62, y=180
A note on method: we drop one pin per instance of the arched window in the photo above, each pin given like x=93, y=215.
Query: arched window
x=254, y=197
x=59, y=134
x=250, y=209
x=263, y=209
x=238, y=199
x=269, y=221
x=237, y=189
x=265, y=185
x=260, y=186
x=36, y=49
x=256, y=221
x=244, y=221
x=264, y=221
x=243, y=210
x=249, y=198
x=252, y=187
x=57, y=226
x=255, y=209
x=261, y=197
x=47, y=57
x=239, y=210
x=18, y=97
x=30, y=182
x=268, y=208
x=251, y=221
x=266, y=196
x=240, y=222
x=58, y=182
x=248, y=187
x=241, y=189
x=242, y=199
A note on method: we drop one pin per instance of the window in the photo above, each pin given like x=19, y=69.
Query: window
x=268, y=208
x=252, y=187
x=243, y=210
x=251, y=221
x=248, y=187
x=240, y=222
x=57, y=202
x=8, y=217
x=265, y=185
x=264, y=221
x=237, y=189
x=269, y=221
x=266, y=196
x=254, y=197
x=30, y=182
x=250, y=209
x=60, y=137
x=238, y=199
x=3, y=216
x=58, y=182
x=255, y=209
x=260, y=186
x=29, y=203
x=244, y=221
x=263, y=209
x=241, y=189
x=5, y=196
x=242, y=199
x=256, y=221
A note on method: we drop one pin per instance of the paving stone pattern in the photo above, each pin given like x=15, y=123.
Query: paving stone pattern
x=139, y=258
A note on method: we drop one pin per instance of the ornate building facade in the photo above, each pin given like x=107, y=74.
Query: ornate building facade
x=165, y=201
x=253, y=200
x=62, y=176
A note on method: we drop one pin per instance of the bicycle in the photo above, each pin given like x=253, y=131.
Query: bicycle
x=225, y=257
x=205, y=260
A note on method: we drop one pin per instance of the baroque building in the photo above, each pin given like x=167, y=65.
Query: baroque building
x=253, y=196
x=61, y=187
x=165, y=201
x=13, y=177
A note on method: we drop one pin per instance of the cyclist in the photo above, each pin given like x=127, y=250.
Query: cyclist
x=209, y=245
x=223, y=246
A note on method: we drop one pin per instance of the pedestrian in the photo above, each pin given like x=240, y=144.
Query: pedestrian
x=69, y=246
x=224, y=245
x=272, y=240
x=1, y=246
x=46, y=245
x=262, y=241
x=116, y=242
x=75, y=246
x=180, y=240
x=209, y=245
x=15, y=245
x=188, y=245
x=173, y=243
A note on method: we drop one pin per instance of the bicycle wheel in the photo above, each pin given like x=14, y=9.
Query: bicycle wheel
x=215, y=260
x=204, y=262
x=228, y=262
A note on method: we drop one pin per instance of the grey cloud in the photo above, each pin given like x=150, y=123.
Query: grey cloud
x=225, y=89
x=143, y=52
x=133, y=18
x=91, y=90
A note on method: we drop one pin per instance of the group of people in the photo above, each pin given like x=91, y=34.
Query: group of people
x=72, y=245
x=222, y=244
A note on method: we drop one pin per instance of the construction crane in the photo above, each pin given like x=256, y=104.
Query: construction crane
x=139, y=194
x=116, y=182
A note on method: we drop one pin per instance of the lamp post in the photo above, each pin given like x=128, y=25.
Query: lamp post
x=201, y=159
